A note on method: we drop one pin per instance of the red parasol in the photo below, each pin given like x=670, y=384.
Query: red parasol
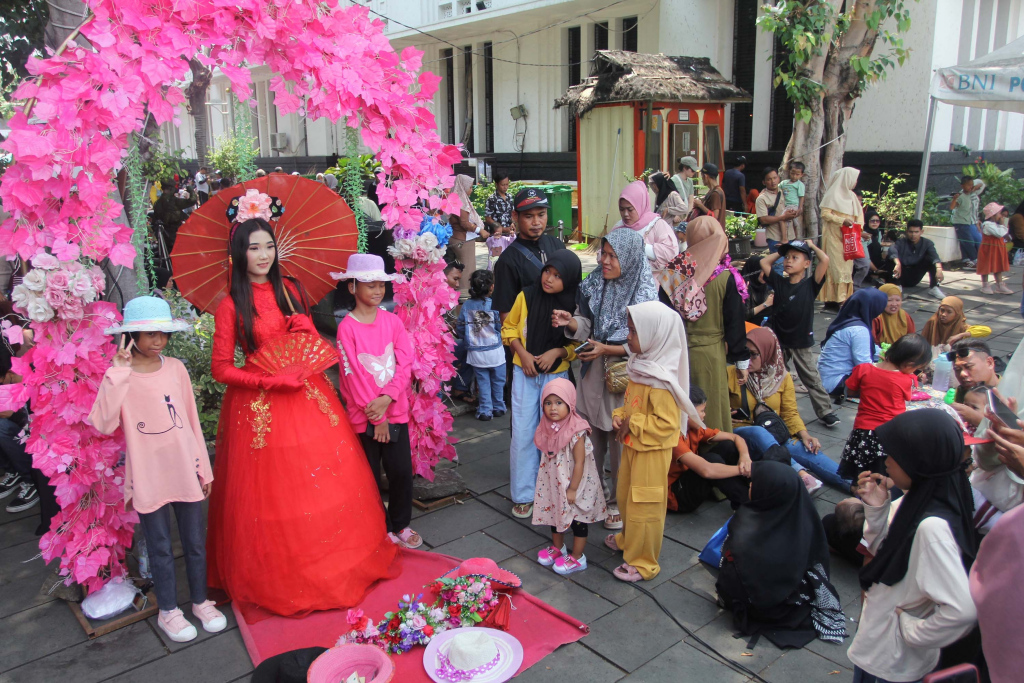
x=315, y=235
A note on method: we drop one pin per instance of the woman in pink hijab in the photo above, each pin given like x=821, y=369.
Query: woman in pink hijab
x=660, y=243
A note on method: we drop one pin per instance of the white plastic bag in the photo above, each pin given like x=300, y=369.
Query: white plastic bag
x=110, y=600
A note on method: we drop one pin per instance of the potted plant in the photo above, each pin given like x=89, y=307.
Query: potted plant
x=740, y=229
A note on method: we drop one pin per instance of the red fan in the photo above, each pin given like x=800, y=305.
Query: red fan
x=300, y=352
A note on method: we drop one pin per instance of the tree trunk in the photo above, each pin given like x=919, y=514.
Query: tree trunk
x=821, y=142
x=65, y=17
x=196, y=94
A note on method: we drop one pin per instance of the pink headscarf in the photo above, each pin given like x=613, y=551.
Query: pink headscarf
x=552, y=437
x=995, y=588
x=636, y=194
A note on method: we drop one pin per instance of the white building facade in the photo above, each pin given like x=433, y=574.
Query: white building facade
x=496, y=55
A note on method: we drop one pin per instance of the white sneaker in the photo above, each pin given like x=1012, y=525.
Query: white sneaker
x=176, y=626
x=937, y=293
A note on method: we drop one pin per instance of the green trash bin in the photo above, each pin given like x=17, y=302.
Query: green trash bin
x=560, y=199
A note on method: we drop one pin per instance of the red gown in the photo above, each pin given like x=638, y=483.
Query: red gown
x=296, y=520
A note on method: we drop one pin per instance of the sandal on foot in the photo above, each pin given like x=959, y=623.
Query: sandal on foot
x=627, y=573
x=522, y=510
x=407, y=538
x=609, y=541
x=613, y=521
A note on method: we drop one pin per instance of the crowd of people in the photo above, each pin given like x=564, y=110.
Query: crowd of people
x=656, y=383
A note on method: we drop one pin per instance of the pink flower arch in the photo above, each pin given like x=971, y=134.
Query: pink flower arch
x=331, y=61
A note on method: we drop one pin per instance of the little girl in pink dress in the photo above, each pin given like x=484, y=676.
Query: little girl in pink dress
x=569, y=489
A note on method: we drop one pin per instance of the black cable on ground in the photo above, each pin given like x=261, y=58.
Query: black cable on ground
x=736, y=666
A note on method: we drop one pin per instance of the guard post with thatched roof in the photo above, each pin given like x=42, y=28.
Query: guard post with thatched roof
x=638, y=111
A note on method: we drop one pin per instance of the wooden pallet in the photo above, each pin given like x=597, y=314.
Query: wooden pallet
x=438, y=503
x=95, y=629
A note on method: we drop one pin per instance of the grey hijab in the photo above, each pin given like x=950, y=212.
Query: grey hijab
x=605, y=300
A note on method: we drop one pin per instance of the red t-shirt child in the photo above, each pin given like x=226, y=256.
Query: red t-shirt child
x=688, y=443
x=883, y=394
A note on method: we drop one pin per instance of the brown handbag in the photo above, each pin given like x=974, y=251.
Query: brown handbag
x=615, y=376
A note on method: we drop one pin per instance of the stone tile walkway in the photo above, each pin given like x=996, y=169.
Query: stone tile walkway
x=631, y=639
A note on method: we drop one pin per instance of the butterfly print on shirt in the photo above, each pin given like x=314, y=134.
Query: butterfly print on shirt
x=381, y=367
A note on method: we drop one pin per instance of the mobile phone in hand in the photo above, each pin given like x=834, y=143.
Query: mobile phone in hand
x=585, y=346
x=1001, y=410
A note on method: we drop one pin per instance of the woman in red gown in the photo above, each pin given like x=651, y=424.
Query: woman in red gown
x=296, y=521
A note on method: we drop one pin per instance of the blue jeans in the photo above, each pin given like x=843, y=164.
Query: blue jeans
x=490, y=390
x=777, y=266
x=156, y=526
x=970, y=239
x=862, y=676
x=820, y=465
x=524, y=458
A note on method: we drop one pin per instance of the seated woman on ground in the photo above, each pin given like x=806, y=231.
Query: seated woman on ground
x=725, y=465
x=775, y=564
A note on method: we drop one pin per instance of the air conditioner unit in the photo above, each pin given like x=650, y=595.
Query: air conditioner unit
x=279, y=141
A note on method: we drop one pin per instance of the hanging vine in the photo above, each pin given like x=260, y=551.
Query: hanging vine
x=245, y=141
x=137, y=215
x=352, y=185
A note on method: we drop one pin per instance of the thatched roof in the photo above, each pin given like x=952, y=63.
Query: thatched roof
x=620, y=76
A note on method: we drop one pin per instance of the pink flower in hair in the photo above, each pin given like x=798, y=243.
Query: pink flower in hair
x=253, y=204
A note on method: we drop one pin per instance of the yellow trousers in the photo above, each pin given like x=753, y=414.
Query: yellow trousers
x=643, y=496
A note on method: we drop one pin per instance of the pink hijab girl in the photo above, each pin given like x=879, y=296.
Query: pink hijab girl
x=660, y=243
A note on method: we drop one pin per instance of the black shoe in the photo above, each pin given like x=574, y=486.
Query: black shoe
x=499, y=413
x=829, y=420
x=9, y=484
x=484, y=418
x=27, y=498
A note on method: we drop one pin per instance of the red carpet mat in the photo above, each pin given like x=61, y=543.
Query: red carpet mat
x=538, y=626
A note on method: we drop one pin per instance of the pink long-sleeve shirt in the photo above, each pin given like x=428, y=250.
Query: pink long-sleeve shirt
x=376, y=360
x=166, y=460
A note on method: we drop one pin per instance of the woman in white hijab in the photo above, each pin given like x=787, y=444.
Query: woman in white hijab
x=839, y=207
x=466, y=228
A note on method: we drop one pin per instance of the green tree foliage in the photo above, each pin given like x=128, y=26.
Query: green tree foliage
x=164, y=164
x=229, y=156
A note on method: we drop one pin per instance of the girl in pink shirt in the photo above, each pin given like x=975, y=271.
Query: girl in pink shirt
x=376, y=372
x=166, y=464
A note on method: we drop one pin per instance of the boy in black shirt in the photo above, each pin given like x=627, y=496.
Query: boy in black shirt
x=793, y=315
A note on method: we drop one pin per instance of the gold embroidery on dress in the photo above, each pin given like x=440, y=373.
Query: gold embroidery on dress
x=314, y=394
x=260, y=419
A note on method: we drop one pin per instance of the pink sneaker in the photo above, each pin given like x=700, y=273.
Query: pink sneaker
x=176, y=626
x=548, y=556
x=567, y=564
x=212, y=618
x=811, y=483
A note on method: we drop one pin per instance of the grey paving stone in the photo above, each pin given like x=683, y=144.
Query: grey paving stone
x=18, y=531
x=804, y=666
x=692, y=610
x=571, y=662
x=836, y=652
x=700, y=580
x=468, y=427
x=20, y=579
x=472, y=449
x=477, y=544
x=719, y=635
x=37, y=632
x=601, y=582
x=217, y=660
x=694, y=531
x=95, y=660
x=486, y=473
x=633, y=634
x=675, y=558
x=455, y=521
x=536, y=579
x=683, y=662
x=577, y=601
x=186, y=609
x=516, y=535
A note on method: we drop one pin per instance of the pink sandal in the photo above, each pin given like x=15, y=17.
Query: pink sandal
x=609, y=541
x=628, y=573
x=408, y=538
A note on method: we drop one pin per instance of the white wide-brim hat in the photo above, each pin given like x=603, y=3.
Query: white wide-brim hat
x=365, y=268
x=148, y=314
x=474, y=645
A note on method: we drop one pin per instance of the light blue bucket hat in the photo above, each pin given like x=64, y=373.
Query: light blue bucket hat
x=148, y=314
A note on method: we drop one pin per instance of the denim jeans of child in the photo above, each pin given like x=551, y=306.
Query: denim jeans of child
x=156, y=526
x=779, y=262
x=524, y=458
x=820, y=465
x=490, y=390
x=970, y=239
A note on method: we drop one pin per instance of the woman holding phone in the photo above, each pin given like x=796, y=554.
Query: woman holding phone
x=599, y=327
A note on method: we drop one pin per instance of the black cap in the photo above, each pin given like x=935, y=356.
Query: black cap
x=709, y=168
x=740, y=160
x=799, y=245
x=530, y=198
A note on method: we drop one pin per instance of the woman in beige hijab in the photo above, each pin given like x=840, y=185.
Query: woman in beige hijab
x=467, y=226
x=839, y=207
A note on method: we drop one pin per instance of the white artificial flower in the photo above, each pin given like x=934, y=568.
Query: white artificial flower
x=35, y=280
x=22, y=296
x=38, y=310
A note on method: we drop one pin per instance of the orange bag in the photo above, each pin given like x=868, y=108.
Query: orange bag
x=852, y=247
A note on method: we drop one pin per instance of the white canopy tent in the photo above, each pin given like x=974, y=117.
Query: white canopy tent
x=995, y=81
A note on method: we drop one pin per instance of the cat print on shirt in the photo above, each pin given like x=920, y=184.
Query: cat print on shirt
x=176, y=420
x=382, y=367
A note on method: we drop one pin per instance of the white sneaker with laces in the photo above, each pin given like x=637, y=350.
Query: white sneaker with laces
x=936, y=292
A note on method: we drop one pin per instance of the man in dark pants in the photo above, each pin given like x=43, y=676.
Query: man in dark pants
x=913, y=257
x=735, y=186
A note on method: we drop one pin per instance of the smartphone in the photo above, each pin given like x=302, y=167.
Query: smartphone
x=1002, y=411
x=961, y=673
x=585, y=346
